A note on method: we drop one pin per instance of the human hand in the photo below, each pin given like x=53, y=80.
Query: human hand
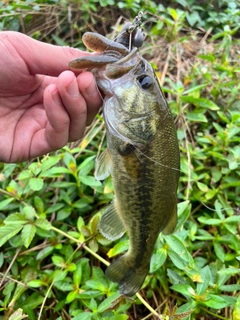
x=42, y=106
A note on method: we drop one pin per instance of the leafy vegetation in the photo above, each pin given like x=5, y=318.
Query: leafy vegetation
x=52, y=256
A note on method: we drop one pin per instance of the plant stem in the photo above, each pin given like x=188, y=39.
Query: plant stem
x=148, y=306
x=81, y=244
x=214, y=314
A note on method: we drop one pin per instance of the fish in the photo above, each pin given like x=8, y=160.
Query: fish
x=142, y=154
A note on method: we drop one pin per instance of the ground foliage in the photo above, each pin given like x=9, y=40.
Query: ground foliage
x=52, y=255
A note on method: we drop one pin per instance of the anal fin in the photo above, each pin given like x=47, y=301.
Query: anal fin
x=111, y=226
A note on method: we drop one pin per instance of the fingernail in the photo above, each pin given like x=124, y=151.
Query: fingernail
x=56, y=98
x=72, y=89
x=91, y=89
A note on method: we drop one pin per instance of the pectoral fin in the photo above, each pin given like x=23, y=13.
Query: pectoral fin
x=111, y=226
x=170, y=227
x=103, y=166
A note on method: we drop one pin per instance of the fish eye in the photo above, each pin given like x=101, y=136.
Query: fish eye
x=145, y=82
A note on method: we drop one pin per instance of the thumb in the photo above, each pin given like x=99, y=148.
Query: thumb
x=43, y=58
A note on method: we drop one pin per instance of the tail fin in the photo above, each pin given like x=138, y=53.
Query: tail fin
x=129, y=280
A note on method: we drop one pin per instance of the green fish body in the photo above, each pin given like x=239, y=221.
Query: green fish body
x=142, y=156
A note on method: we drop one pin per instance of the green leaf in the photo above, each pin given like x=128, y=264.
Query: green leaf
x=80, y=223
x=7, y=232
x=36, y=184
x=183, y=210
x=5, y=202
x=16, y=219
x=206, y=278
x=36, y=283
x=29, y=212
x=215, y=302
x=1, y=259
x=91, y=305
x=195, y=89
x=223, y=116
x=110, y=302
x=44, y=253
x=85, y=231
x=201, y=102
x=88, y=294
x=189, y=306
x=55, y=207
x=27, y=234
x=177, y=260
x=210, y=194
x=55, y=172
x=34, y=300
x=26, y=174
x=210, y=222
x=102, y=240
x=18, y=315
x=39, y=204
x=49, y=162
x=203, y=187
x=220, y=253
x=83, y=316
x=93, y=245
x=63, y=214
x=80, y=204
x=183, y=3
x=58, y=275
x=77, y=275
x=236, y=311
x=90, y=181
x=94, y=222
x=158, y=259
x=58, y=261
x=43, y=224
x=216, y=175
x=209, y=57
x=173, y=13
x=8, y=290
x=177, y=246
x=71, y=296
x=63, y=184
x=184, y=289
x=118, y=317
x=233, y=219
x=86, y=166
x=230, y=271
x=120, y=247
x=196, y=117
x=230, y=287
x=231, y=300
x=63, y=285
x=96, y=285
x=71, y=267
x=65, y=196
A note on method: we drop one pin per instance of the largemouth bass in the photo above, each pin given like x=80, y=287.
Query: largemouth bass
x=142, y=152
